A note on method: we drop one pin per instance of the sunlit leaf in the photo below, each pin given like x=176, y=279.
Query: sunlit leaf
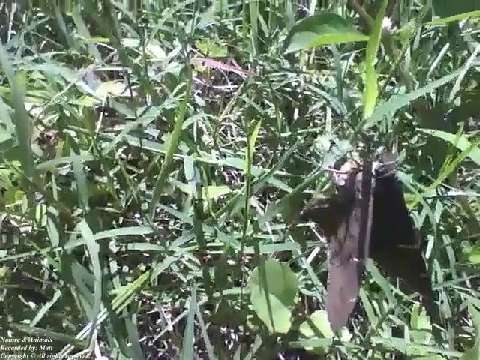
x=370, y=93
x=460, y=142
x=112, y=88
x=189, y=335
x=396, y=102
x=459, y=17
x=212, y=48
x=22, y=120
x=317, y=325
x=320, y=30
x=420, y=325
x=474, y=255
x=94, y=252
x=273, y=293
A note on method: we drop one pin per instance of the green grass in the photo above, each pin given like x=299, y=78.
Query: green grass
x=140, y=188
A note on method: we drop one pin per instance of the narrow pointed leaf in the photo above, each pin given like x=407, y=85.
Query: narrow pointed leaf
x=395, y=103
x=320, y=30
x=370, y=93
x=462, y=143
x=189, y=335
x=22, y=120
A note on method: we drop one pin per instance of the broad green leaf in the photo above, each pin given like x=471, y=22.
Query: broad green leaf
x=460, y=142
x=273, y=292
x=317, y=325
x=274, y=314
x=370, y=93
x=320, y=30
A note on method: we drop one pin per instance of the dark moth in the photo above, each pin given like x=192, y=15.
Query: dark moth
x=367, y=217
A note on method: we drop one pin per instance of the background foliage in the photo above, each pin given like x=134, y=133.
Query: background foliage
x=154, y=158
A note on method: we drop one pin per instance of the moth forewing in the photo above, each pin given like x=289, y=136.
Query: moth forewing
x=348, y=248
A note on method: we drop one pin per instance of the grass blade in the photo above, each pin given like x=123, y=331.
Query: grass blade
x=370, y=93
x=461, y=142
x=388, y=108
x=81, y=181
x=23, y=124
x=173, y=143
x=189, y=335
x=94, y=250
x=454, y=18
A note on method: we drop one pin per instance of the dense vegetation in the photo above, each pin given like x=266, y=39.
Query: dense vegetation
x=154, y=159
